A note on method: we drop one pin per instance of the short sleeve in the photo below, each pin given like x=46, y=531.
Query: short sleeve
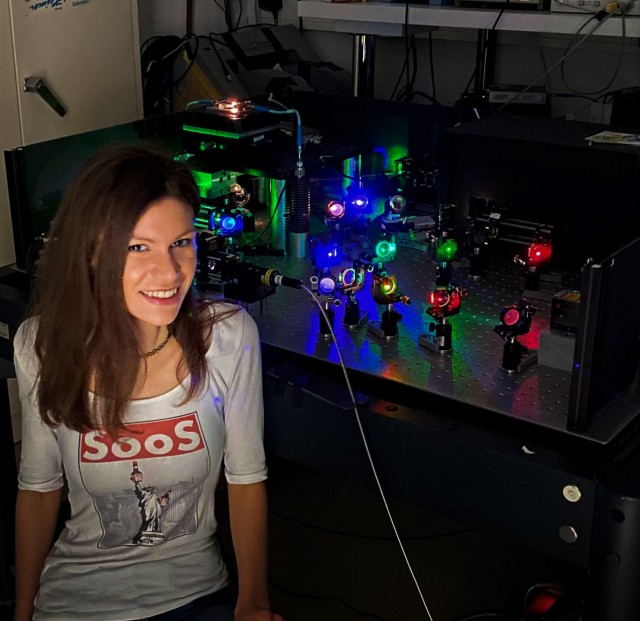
x=244, y=457
x=40, y=461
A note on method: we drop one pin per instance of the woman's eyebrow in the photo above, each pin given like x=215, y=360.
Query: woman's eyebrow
x=148, y=239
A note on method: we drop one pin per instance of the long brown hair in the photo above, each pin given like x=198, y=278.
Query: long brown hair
x=85, y=335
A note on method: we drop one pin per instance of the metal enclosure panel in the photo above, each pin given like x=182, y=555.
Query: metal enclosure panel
x=88, y=55
x=468, y=473
x=9, y=128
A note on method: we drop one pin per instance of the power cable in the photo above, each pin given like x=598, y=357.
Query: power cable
x=268, y=225
x=617, y=69
x=484, y=47
x=405, y=93
x=406, y=40
x=157, y=59
x=558, y=62
x=431, y=67
x=239, y=15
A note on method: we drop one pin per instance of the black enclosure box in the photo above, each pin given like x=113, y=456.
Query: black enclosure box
x=546, y=171
x=376, y=123
x=37, y=174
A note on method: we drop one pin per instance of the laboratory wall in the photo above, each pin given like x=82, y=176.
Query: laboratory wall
x=577, y=86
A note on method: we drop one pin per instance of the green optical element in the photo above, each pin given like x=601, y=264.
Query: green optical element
x=204, y=181
x=397, y=152
x=446, y=250
x=385, y=249
x=210, y=132
x=388, y=285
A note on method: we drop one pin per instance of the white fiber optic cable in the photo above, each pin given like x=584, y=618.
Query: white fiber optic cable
x=369, y=456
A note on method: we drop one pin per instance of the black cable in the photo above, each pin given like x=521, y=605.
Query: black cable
x=259, y=25
x=222, y=8
x=402, y=72
x=564, y=56
x=407, y=45
x=431, y=67
x=223, y=65
x=484, y=48
x=405, y=93
x=405, y=36
x=620, y=56
x=423, y=94
x=147, y=41
x=194, y=55
x=239, y=15
x=395, y=88
x=268, y=225
x=157, y=60
x=226, y=12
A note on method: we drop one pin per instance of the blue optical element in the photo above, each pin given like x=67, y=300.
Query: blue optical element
x=324, y=254
x=360, y=202
x=226, y=223
x=348, y=277
x=326, y=285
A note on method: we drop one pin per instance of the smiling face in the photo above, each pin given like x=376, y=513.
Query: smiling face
x=160, y=264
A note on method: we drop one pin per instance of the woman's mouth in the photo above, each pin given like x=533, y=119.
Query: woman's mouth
x=164, y=294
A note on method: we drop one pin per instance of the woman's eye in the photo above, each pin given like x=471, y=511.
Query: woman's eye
x=137, y=248
x=183, y=243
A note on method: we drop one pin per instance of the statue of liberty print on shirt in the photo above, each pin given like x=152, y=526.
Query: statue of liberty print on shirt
x=167, y=462
x=151, y=506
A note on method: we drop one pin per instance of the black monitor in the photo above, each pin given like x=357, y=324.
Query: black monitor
x=607, y=348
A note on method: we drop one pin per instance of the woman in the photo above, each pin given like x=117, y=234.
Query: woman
x=135, y=396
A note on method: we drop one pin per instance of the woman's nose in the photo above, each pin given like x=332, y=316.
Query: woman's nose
x=166, y=265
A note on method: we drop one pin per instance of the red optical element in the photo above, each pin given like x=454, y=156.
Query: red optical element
x=445, y=298
x=335, y=209
x=456, y=300
x=538, y=254
x=511, y=317
x=439, y=298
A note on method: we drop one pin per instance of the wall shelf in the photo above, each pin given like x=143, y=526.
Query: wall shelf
x=387, y=19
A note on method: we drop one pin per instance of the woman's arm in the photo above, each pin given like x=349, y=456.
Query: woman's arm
x=36, y=519
x=248, y=517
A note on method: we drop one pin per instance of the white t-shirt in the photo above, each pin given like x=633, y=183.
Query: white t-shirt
x=140, y=538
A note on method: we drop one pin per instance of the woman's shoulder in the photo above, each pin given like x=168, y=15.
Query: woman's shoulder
x=26, y=334
x=24, y=343
x=232, y=326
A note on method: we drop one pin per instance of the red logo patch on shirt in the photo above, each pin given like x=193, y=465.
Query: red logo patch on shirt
x=163, y=438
